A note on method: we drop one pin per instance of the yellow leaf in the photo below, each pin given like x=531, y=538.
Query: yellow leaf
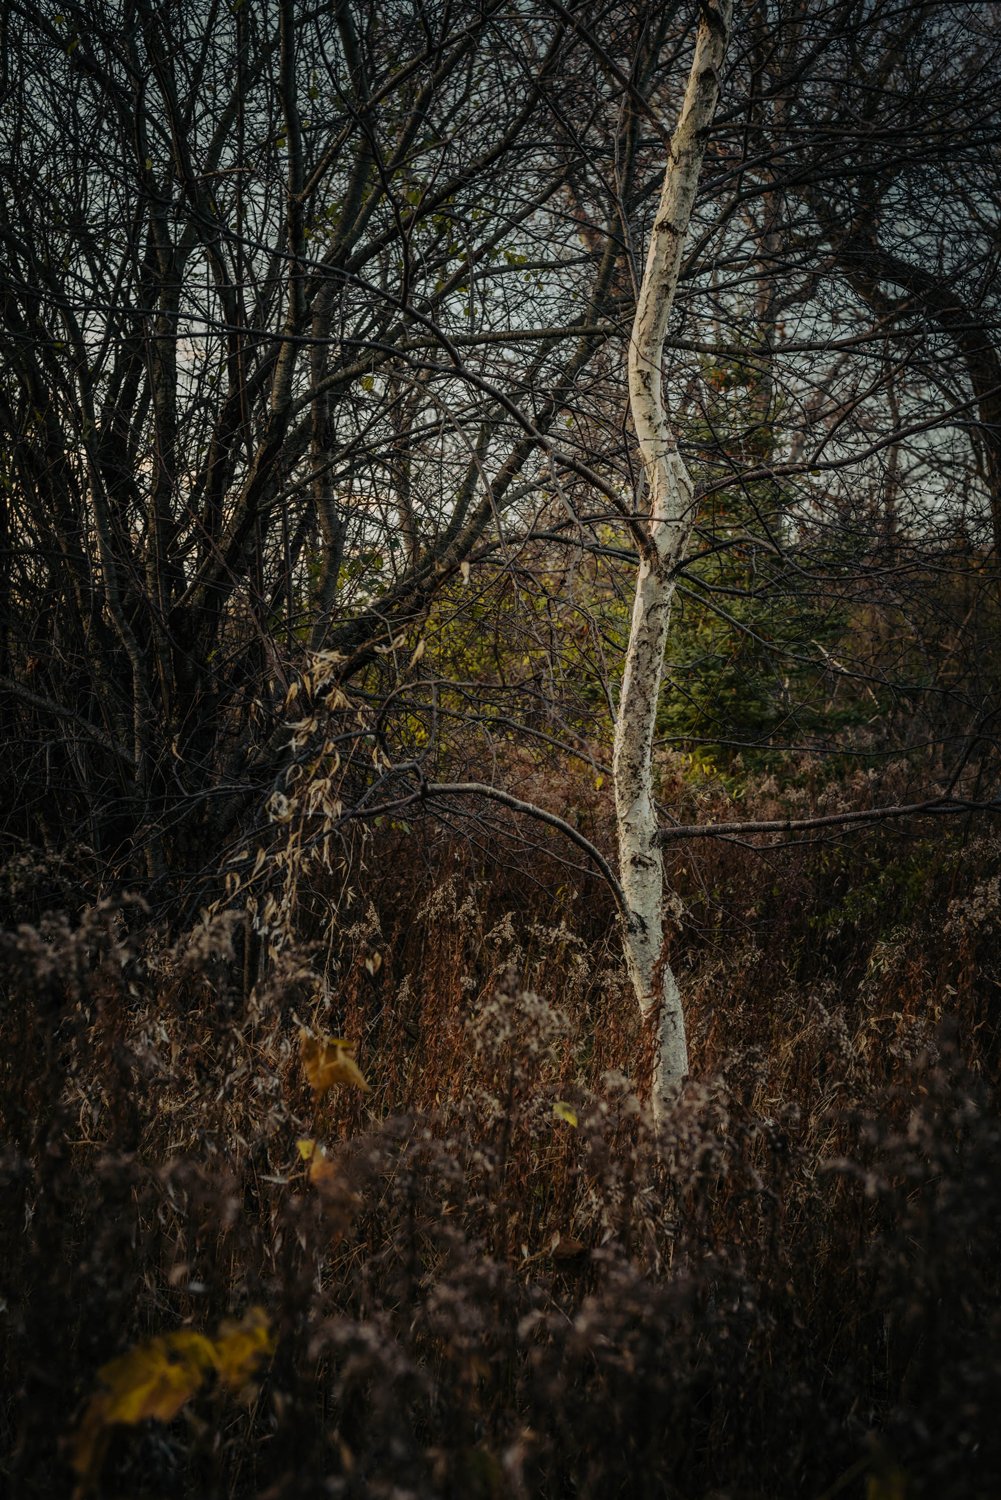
x=563, y=1111
x=322, y=1172
x=241, y=1346
x=328, y=1061
x=153, y=1380
x=305, y=1148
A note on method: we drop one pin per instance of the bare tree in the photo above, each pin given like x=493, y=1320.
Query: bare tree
x=663, y=538
x=289, y=324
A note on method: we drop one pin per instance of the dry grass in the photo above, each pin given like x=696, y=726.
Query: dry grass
x=792, y=1291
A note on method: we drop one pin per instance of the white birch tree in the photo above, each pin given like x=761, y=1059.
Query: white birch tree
x=665, y=531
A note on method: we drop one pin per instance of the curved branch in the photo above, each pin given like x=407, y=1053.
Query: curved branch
x=494, y=794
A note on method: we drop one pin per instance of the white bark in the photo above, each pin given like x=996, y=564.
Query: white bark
x=667, y=528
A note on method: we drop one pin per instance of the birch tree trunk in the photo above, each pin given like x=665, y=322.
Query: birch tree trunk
x=666, y=530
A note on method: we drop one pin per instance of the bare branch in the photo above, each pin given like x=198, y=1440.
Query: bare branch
x=934, y=807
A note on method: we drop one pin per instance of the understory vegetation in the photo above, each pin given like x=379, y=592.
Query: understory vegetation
x=483, y=1275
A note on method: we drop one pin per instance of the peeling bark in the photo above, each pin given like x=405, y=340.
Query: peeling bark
x=666, y=530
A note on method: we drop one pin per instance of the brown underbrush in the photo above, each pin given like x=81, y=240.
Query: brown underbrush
x=487, y=1276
